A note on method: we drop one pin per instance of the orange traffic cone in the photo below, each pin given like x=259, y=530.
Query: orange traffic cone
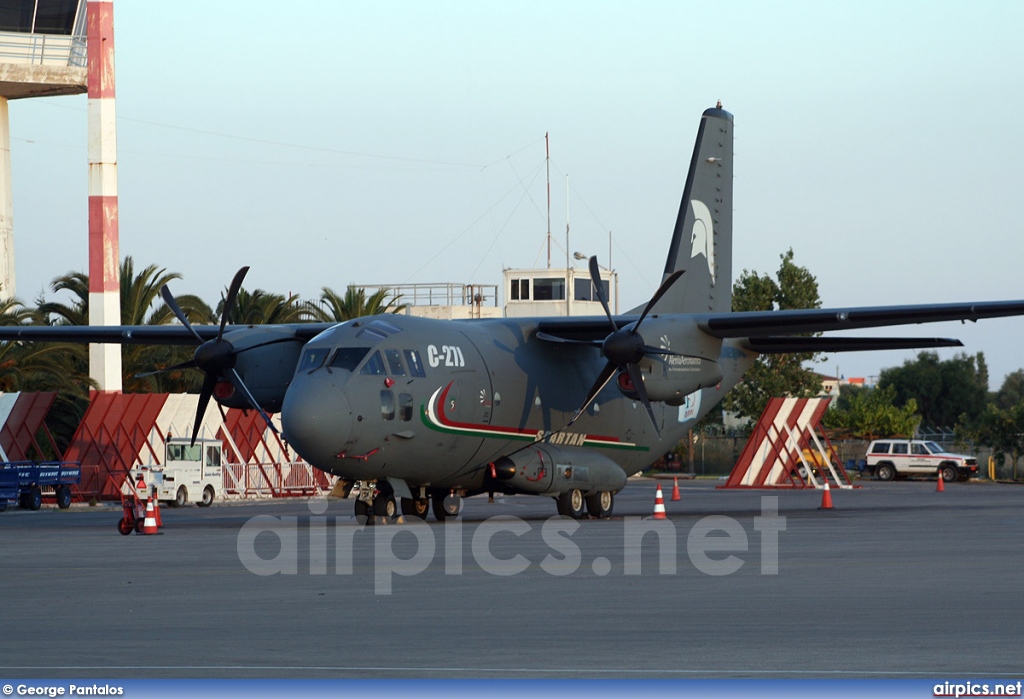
x=659, y=505
x=156, y=513
x=826, y=498
x=675, y=490
x=941, y=487
x=149, y=524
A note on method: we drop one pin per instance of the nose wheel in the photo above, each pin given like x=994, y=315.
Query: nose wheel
x=376, y=503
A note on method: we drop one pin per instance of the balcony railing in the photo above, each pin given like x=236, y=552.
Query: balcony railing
x=43, y=49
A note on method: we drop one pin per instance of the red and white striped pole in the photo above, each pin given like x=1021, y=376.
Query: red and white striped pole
x=104, y=258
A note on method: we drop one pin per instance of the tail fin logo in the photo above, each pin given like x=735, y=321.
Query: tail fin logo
x=702, y=235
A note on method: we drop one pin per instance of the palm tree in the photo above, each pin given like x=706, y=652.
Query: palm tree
x=261, y=307
x=50, y=366
x=141, y=304
x=355, y=304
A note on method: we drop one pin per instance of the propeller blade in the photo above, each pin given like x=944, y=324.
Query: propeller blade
x=595, y=279
x=190, y=364
x=661, y=350
x=602, y=380
x=229, y=299
x=657, y=297
x=239, y=385
x=638, y=385
x=176, y=309
x=547, y=337
x=204, y=399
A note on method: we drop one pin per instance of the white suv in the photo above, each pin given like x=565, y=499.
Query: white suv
x=889, y=458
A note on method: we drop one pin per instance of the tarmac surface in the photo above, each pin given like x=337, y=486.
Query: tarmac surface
x=896, y=581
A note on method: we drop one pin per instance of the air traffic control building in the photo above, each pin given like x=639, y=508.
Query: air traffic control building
x=42, y=53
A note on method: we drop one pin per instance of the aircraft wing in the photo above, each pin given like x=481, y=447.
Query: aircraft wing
x=792, y=331
x=814, y=320
x=137, y=334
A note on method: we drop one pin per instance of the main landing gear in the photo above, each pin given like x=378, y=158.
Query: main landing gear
x=598, y=505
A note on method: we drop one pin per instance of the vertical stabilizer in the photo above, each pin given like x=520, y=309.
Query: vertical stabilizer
x=702, y=239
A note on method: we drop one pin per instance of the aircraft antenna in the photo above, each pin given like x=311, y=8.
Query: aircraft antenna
x=547, y=167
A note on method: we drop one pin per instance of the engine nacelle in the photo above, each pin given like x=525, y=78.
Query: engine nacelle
x=550, y=469
x=265, y=358
x=670, y=378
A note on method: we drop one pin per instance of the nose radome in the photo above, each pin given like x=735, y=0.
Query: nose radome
x=316, y=419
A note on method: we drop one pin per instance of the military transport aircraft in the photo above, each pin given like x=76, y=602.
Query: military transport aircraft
x=420, y=409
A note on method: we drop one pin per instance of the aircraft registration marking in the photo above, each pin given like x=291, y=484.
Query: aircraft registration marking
x=449, y=355
x=433, y=415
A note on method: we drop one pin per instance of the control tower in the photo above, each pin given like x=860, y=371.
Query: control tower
x=42, y=53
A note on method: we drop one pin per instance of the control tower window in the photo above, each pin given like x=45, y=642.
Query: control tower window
x=39, y=16
x=549, y=290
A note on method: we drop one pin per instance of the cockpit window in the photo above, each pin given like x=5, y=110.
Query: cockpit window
x=372, y=332
x=313, y=358
x=412, y=358
x=374, y=366
x=394, y=358
x=348, y=358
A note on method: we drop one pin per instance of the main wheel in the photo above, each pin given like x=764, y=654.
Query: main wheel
x=124, y=526
x=181, y=497
x=207, y=497
x=445, y=506
x=570, y=504
x=600, y=504
x=63, y=493
x=948, y=473
x=885, y=472
x=416, y=507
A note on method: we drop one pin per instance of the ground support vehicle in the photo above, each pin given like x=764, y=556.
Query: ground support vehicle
x=899, y=458
x=26, y=480
x=189, y=473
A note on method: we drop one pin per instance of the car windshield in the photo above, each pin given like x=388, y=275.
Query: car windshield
x=934, y=448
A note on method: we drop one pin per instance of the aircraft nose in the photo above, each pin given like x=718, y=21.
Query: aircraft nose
x=316, y=419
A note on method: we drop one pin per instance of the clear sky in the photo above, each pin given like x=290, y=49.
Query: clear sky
x=325, y=143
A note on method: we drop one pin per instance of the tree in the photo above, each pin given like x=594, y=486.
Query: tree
x=943, y=390
x=869, y=413
x=141, y=304
x=355, y=304
x=775, y=374
x=1011, y=393
x=261, y=307
x=999, y=428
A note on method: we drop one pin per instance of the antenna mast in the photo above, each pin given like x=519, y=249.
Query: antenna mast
x=547, y=166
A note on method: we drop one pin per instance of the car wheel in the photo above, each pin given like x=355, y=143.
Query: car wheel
x=885, y=472
x=948, y=474
x=207, y=497
x=181, y=497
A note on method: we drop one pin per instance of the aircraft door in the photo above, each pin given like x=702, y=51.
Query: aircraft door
x=465, y=405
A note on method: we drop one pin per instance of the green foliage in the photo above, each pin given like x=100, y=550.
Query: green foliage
x=1011, y=393
x=794, y=287
x=999, y=428
x=869, y=413
x=943, y=390
x=355, y=304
